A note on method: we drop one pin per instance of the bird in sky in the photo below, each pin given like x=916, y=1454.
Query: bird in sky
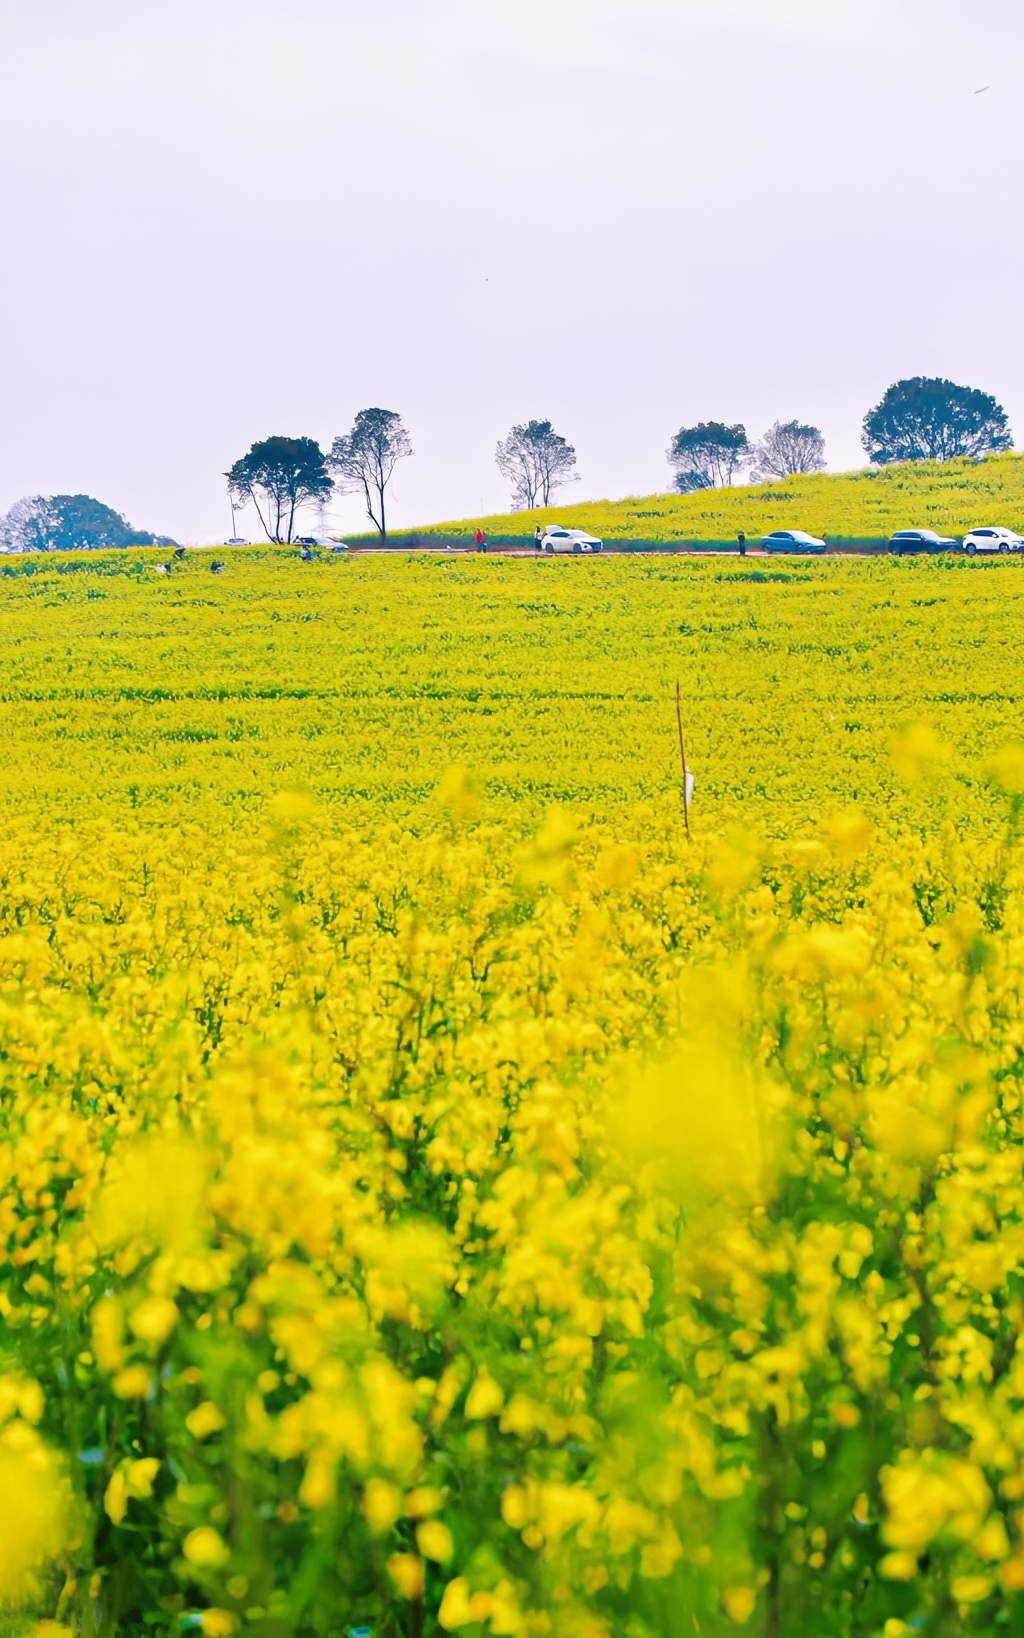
x=982, y=88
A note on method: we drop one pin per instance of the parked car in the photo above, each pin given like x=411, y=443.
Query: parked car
x=792, y=540
x=920, y=540
x=991, y=540
x=557, y=539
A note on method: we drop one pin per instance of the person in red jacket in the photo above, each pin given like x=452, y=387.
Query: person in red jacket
x=481, y=543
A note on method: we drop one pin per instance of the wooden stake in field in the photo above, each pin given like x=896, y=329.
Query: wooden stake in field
x=682, y=759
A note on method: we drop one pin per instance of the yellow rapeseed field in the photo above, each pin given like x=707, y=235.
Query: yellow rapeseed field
x=436, y=1195
x=866, y=505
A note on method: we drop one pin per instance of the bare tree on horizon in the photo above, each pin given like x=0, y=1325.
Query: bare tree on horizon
x=536, y=460
x=787, y=447
x=365, y=459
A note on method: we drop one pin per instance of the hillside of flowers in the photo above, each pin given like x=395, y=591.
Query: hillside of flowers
x=866, y=505
x=440, y=1195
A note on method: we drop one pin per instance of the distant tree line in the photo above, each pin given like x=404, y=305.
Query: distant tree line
x=921, y=418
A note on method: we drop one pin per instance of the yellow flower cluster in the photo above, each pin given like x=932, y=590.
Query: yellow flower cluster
x=425, y=1205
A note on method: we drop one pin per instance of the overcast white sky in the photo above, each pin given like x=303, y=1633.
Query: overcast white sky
x=229, y=218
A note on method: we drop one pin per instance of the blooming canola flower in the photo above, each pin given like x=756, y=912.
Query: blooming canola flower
x=460, y=1195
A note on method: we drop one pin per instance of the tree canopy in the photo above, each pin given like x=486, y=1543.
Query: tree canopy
x=707, y=456
x=278, y=476
x=925, y=418
x=787, y=447
x=536, y=460
x=66, y=523
x=365, y=459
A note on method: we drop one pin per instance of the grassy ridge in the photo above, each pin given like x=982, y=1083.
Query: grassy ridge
x=867, y=505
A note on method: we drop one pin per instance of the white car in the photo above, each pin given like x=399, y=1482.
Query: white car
x=792, y=540
x=992, y=540
x=557, y=539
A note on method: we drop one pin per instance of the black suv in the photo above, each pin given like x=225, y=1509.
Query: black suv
x=921, y=540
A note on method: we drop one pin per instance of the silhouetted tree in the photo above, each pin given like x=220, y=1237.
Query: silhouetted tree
x=27, y=527
x=787, y=447
x=365, y=458
x=706, y=456
x=928, y=419
x=536, y=460
x=279, y=475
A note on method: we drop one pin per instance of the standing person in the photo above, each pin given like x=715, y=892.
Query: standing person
x=481, y=543
x=741, y=541
x=537, y=538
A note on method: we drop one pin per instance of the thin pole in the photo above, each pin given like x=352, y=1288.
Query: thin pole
x=682, y=758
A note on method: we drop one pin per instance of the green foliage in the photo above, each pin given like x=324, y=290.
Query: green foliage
x=278, y=475
x=706, y=456
x=63, y=523
x=929, y=419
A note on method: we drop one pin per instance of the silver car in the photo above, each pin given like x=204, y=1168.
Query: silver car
x=792, y=540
